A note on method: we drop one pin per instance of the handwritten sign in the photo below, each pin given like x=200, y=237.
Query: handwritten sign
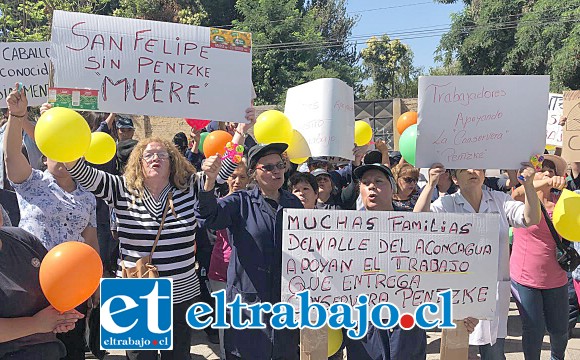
x=484, y=122
x=554, y=133
x=400, y=257
x=571, y=142
x=153, y=68
x=323, y=112
x=28, y=63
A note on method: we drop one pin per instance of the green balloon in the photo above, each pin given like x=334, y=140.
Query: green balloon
x=408, y=144
x=202, y=137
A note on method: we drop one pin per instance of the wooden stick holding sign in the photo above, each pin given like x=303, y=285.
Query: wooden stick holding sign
x=455, y=342
x=313, y=344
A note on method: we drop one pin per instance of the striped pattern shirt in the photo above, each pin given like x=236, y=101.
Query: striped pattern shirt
x=139, y=220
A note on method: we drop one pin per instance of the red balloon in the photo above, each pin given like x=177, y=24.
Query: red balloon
x=197, y=123
x=215, y=142
x=69, y=274
x=405, y=120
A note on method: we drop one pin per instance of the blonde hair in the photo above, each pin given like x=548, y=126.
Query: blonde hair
x=180, y=168
x=402, y=169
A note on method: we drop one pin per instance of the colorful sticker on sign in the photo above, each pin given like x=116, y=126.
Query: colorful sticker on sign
x=230, y=40
x=81, y=99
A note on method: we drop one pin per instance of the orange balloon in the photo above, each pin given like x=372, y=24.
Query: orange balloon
x=69, y=274
x=405, y=120
x=215, y=142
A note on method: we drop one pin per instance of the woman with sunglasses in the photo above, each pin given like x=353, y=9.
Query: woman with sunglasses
x=539, y=284
x=406, y=195
x=155, y=194
x=489, y=335
x=254, y=222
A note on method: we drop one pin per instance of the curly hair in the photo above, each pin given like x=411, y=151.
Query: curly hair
x=180, y=168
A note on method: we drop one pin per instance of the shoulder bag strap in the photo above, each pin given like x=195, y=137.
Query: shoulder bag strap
x=168, y=204
x=553, y=230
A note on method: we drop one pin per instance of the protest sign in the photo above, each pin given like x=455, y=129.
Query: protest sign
x=398, y=257
x=323, y=112
x=571, y=142
x=150, y=68
x=553, y=129
x=482, y=122
x=28, y=63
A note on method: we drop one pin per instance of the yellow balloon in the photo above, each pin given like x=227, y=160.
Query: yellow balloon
x=299, y=161
x=62, y=134
x=298, y=149
x=273, y=126
x=363, y=133
x=566, y=216
x=102, y=148
x=334, y=341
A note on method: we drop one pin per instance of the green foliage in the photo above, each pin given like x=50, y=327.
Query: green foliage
x=516, y=37
x=31, y=20
x=291, y=44
x=389, y=63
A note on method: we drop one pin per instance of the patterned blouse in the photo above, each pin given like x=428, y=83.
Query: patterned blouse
x=52, y=214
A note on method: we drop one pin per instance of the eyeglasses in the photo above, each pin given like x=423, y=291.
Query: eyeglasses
x=270, y=167
x=410, y=180
x=124, y=130
x=160, y=155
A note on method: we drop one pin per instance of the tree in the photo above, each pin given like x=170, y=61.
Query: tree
x=389, y=63
x=516, y=37
x=25, y=20
x=293, y=44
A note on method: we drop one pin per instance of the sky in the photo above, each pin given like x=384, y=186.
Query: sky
x=417, y=23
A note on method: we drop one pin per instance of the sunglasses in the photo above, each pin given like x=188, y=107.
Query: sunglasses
x=410, y=180
x=270, y=167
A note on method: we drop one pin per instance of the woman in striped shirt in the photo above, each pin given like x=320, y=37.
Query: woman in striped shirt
x=154, y=171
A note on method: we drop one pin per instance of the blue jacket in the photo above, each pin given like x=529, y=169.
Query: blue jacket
x=255, y=265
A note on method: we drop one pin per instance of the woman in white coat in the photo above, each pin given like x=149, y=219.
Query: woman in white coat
x=471, y=198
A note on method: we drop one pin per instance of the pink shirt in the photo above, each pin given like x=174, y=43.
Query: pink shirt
x=533, y=261
x=220, y=257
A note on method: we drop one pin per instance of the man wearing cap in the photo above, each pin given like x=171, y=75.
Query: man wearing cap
x=254, y=221
x=377, y=185
x=125, y=128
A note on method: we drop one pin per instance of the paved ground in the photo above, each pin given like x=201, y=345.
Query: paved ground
x=201, y=348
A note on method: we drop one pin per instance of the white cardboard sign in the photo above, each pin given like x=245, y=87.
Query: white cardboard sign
x=554, y=132
x=154, y=68
x=28, y=63
x=483, y=122
x=323, y=112
x=401, y=257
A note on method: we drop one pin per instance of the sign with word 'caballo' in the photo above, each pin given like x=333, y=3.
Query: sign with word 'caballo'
x=398, y=257
x=146, y=67
x=28, y=63
x=482, y=122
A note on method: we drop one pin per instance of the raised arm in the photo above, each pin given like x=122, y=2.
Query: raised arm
x=424, y=202
x=103, y=185
x=210, y=212
x=18, y=169
x=532, y=212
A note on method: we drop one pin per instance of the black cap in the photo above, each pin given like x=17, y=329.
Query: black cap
x=360, y=170
x=312, y=160
x=373, y=157
x=124, y=122
x=259, y=151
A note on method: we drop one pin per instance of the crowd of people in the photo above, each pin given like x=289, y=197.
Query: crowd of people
x=212, y=224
